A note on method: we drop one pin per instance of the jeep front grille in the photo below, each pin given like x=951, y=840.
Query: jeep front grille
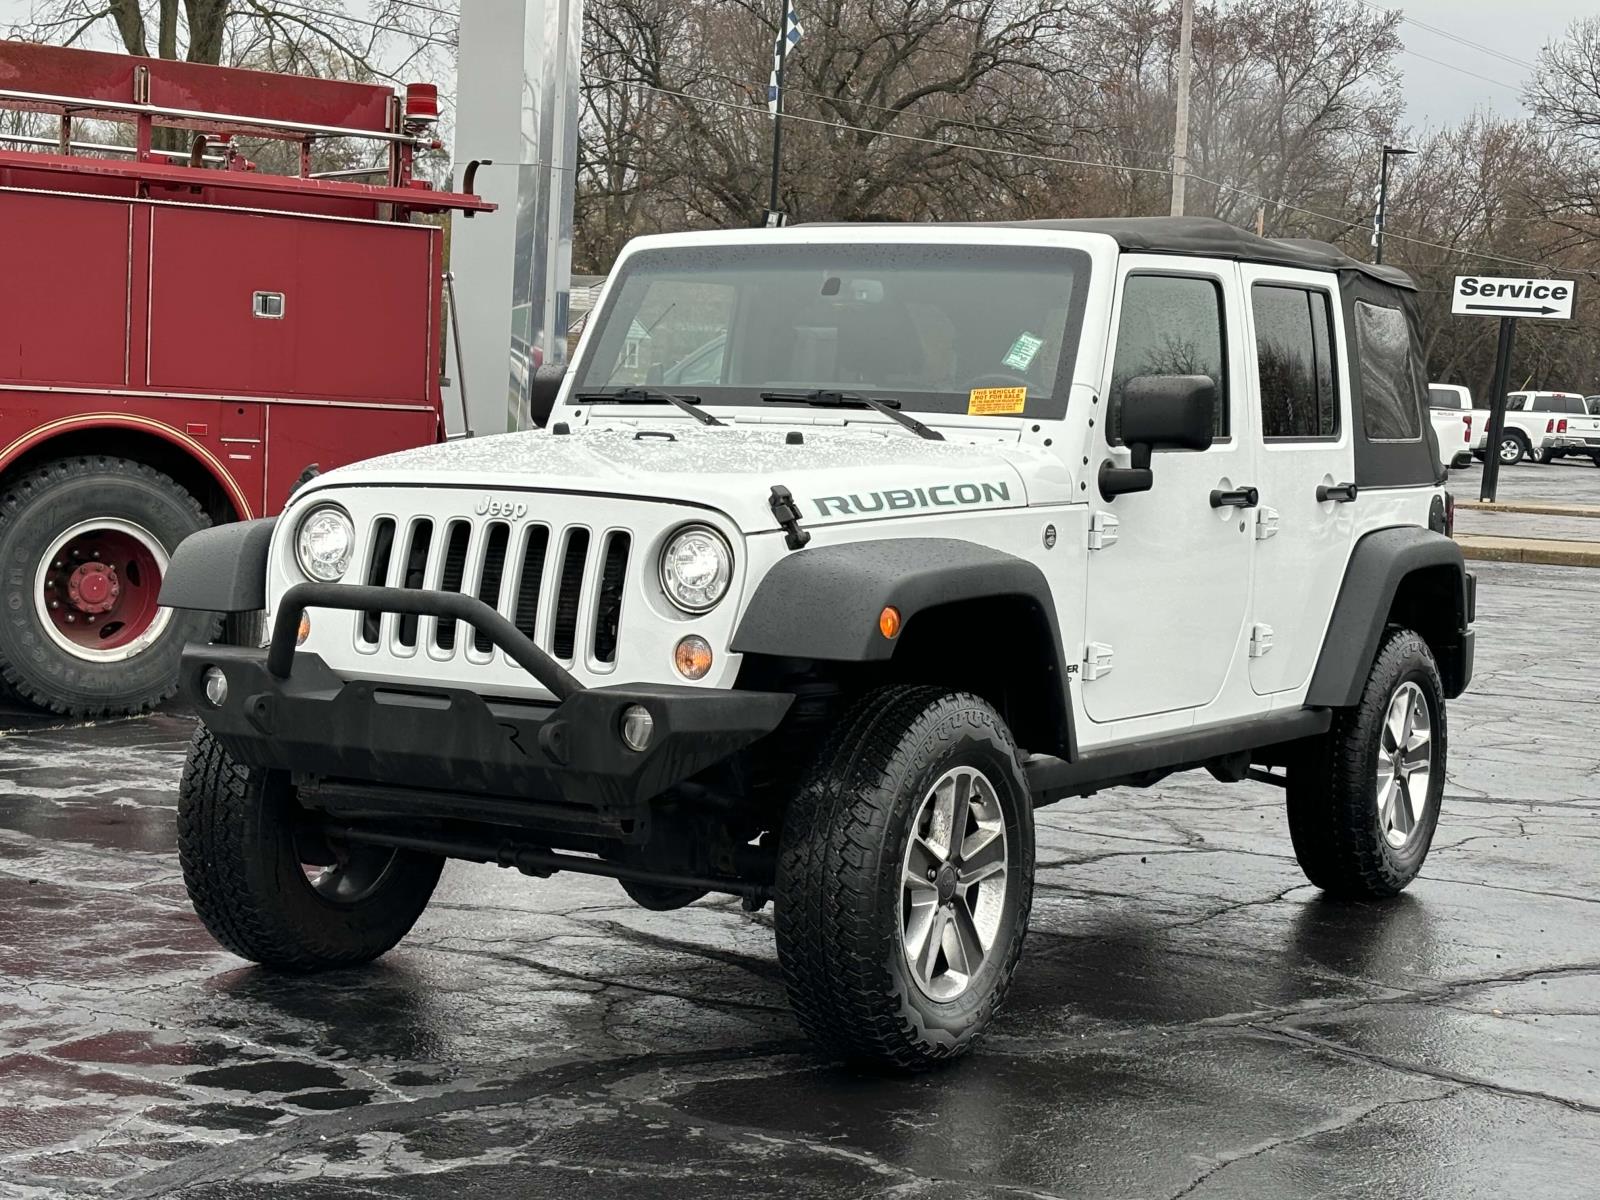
x=560, y=585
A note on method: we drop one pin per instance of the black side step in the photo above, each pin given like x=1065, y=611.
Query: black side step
x=1149, y=761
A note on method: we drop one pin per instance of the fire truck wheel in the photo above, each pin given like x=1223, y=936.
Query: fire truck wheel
x=84, y=543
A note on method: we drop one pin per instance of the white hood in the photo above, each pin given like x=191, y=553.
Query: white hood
x=833, y=474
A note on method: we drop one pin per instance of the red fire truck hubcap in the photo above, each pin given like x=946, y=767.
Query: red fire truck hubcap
x=98, y=589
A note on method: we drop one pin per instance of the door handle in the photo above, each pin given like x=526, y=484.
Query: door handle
x=1339, y=493
x=1240, y=497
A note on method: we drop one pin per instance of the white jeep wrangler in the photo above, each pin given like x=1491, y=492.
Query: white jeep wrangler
x=844, y=549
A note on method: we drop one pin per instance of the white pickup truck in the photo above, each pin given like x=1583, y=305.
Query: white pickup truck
x=1578, y=432
x=1459, y=430
x=1548, y=425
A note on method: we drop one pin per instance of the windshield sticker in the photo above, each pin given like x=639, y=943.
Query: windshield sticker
x=1022, y=351
x=992, y=402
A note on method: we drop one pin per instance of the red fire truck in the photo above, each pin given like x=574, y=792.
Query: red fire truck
x=182, y=335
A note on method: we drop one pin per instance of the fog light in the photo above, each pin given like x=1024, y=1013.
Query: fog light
x=216, y=687
x=637, y=726
x=692, y=657
x=304, y=631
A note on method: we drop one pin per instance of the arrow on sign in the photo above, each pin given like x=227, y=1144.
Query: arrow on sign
x=1506, y=308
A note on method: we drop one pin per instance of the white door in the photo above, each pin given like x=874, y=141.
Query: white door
x=1167, y=600
x=1300, y=389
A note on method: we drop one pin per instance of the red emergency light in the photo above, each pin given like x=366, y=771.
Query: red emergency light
x=422, y=103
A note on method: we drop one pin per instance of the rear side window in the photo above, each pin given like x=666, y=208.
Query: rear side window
x=1389, y=387
x=1515, y=403
x=1170, y=325
x=1294, y=361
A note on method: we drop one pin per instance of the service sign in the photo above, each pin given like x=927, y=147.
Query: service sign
x=1493, y=296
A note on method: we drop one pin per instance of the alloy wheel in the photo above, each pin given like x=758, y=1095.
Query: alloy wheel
x=953, y=883
x=1405, y=764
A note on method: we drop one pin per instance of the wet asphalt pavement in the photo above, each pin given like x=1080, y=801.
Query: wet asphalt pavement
x=1190, y=1019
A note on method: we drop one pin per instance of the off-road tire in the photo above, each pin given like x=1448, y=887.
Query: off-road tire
x=34, y=509
x=236, y=845
x=839, y=877
x=1332, y=790
x=1523, y=447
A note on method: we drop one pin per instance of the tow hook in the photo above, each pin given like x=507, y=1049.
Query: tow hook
x=787, y=514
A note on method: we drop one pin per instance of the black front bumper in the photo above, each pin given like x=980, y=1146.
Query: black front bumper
x=448, y=752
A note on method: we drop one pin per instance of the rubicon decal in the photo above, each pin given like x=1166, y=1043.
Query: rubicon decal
x=941, y=495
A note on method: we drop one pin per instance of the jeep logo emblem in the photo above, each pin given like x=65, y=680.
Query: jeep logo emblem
x=490, y=507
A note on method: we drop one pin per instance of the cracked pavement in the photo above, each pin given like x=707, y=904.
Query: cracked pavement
x=1190, y=1018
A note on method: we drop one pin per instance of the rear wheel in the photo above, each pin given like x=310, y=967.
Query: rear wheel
x=1513, y=448
x=271, y=888
x=905, y=878
x=88, y=541
x=1364, y=801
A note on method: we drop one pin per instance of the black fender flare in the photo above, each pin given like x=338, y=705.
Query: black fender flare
x=221, y=570
x=824, y=603
x=1379, y=564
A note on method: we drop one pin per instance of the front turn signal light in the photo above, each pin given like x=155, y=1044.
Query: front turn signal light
x=301, y=634
x=889, y=621
x=692, y=656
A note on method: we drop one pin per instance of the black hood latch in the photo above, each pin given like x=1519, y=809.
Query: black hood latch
x=787, y=514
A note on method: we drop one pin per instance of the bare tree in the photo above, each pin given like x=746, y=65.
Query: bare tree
x=303, y=35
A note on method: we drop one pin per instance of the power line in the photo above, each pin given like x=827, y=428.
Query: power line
x=339, y=16
x=1439, y=62
x=1454, y=37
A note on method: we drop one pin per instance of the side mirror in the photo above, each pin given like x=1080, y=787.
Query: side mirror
x=542, y=391
x=1160, y=412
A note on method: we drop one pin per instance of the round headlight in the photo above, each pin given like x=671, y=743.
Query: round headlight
x=324, y=543
x=696, y=568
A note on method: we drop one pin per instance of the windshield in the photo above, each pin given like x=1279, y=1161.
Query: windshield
x=987, y=330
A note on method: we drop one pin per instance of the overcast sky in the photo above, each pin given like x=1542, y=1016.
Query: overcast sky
x=1437, y=92
x=1441, y=94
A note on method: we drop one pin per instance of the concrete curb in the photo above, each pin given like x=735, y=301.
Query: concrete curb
x=1550, y=509
x=1553, y=552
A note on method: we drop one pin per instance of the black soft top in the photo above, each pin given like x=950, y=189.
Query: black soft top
x=1211, y=238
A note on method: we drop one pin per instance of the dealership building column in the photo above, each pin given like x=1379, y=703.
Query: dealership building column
x=517, y=77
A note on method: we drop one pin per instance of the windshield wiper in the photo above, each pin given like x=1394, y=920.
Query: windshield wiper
x=824, y=398
x=638, y=395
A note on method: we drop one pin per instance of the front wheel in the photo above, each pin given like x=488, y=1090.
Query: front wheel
x=1364, y=800
x=270, y=888
x=905, y=878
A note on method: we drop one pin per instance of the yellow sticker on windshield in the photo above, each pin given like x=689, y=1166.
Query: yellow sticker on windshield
x=993, y=402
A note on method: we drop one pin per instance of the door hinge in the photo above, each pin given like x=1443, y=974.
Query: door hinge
x=1096, y=660
x=1102, y=530
x=1266, y=523
x=1260, y=640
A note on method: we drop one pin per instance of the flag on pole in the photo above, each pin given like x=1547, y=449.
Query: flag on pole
x=792, y=33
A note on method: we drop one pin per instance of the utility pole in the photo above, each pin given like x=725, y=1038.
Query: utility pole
x=1383, y=200
x=1180, y=135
